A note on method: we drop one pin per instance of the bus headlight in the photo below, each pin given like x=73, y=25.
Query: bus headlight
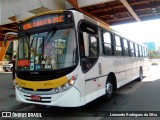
x=67, y=85
x=64, y=87
x=18, y=86
x=72, y=80
x=56, y=90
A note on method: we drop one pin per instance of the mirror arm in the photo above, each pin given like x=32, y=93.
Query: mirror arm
x=6, y=36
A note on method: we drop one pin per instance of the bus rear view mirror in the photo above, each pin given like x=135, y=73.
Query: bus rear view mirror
x=5, y=39
x=6, y=36
x=86, y=43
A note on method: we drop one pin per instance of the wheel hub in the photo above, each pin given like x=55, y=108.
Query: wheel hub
x=109, y=88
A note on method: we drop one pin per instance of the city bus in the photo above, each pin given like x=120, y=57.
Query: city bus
x=68, y=59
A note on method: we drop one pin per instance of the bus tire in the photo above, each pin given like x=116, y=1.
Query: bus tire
x=109, y=88
x=140, y=74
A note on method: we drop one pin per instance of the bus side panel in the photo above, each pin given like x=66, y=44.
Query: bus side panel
x=91, y=90
x=146, y=66
x=101, y=86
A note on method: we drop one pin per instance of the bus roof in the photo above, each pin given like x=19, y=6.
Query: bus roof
x=99, y=23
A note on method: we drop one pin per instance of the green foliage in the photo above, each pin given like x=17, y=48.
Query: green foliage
x=153, y=54
x=7, y=58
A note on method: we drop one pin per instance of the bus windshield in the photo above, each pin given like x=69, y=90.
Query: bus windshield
x=52, y=50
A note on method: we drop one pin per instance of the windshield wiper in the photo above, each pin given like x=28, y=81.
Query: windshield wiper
x=47, y=38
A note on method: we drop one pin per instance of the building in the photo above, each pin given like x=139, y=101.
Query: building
x=151, y=45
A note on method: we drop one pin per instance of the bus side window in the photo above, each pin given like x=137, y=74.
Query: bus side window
x=132, y=52
x=145, y=52
x=107, y=44
x=143, y=48
x=136, y=50
x=93, y=46
x=118, y=46
x=125, y=45
x=140, y=51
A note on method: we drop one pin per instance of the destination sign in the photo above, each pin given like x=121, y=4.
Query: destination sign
x=47, y=19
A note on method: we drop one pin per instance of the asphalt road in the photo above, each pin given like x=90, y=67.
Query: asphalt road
x=133, y=99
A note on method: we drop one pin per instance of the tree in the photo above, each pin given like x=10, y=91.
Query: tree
x=153, y=54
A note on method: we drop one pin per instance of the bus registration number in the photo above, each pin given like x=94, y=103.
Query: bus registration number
x=35, y=98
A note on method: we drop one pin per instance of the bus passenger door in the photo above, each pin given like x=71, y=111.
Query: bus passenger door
x=89, y=66
x=89, y=54
x=92, y=70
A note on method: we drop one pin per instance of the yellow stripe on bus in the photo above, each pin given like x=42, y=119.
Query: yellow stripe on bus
x=42, y=84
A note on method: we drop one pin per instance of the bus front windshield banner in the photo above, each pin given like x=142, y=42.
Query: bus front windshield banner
x=48, y=51
x=47, y=19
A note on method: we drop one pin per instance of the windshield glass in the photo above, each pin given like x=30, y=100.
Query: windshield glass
x=56, y=49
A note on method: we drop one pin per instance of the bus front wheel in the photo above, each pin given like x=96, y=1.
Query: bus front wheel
x=109, y=90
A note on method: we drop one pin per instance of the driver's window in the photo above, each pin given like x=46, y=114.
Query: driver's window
x=88, y=60
x=93, y=47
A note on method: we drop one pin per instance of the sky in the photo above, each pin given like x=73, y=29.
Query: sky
x=148, y=31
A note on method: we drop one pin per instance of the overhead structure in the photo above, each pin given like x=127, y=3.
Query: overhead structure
x=114, y=12
x=110, y=12
x=3, y=30
x=131, y=11
x=8, y=28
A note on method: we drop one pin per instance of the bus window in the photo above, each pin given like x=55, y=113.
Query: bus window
x=126, y=51
x=107, y=49
x=145, y=52
x=23, y=49
x=118, y=47
x=140, y=51
x=20, y=48
x=132, y=53
x=136, y=50
x=93, y=48
x=88, y=61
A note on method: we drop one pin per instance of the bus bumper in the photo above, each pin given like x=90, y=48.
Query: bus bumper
x=69, y=98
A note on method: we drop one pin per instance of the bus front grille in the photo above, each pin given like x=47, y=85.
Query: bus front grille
x=42, y=99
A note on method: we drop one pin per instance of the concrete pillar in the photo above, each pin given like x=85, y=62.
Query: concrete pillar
x=3, y=50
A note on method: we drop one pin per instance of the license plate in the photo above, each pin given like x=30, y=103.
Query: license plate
x=35, y=98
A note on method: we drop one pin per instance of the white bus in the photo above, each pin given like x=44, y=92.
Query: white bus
x=68, y=59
